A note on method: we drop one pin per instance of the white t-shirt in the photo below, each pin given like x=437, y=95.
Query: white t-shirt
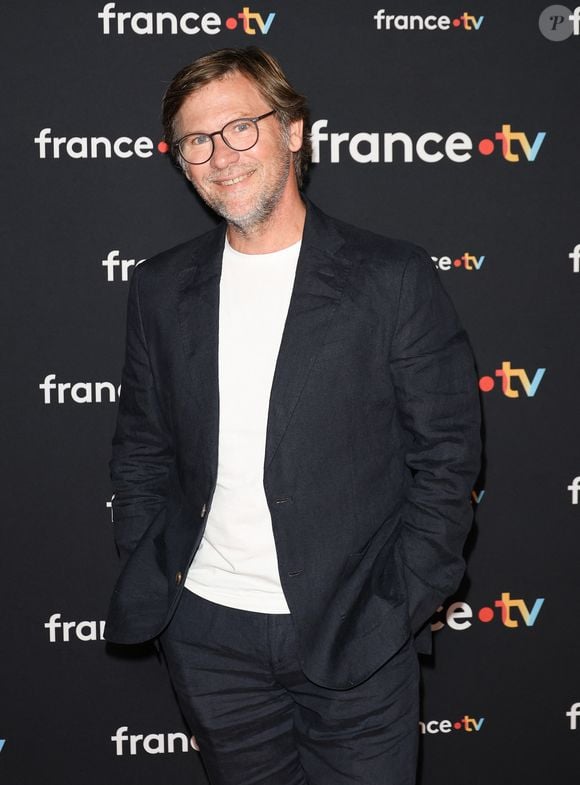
x=236, y=563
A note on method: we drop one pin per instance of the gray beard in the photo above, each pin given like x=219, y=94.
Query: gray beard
x=266, y=202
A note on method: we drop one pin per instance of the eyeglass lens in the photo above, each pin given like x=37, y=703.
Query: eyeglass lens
x=239, y=135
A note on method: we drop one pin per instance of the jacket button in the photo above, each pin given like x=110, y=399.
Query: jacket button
x=202, y=513
x=178, y=577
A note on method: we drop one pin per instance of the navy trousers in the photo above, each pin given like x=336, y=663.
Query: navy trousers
x=259, y=721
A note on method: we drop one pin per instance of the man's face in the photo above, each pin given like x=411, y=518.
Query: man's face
x=243, y=187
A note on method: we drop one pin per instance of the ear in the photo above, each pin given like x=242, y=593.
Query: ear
x=295, y=136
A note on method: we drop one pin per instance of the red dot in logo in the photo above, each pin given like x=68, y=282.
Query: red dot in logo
x=486, y=383
x=457, y=262
x=457, y=725
x=485, y=614
x=231, y=23
x=485, y=147
x=456, y=22
x=163, y=147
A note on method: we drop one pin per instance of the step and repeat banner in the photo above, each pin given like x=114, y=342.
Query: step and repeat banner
x=456, y=128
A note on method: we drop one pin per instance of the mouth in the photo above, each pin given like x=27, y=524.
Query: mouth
x=234, y=180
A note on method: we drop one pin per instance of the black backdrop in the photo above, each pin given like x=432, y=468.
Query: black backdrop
x=500, y=692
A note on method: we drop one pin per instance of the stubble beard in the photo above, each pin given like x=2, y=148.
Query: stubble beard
x=266, y=200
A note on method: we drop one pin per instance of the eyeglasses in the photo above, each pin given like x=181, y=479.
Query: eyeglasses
x=240, y=134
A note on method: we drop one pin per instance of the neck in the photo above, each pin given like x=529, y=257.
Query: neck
x=283, y=228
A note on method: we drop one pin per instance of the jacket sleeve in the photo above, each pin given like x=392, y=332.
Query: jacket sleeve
x=438, y=405
x=142, y=445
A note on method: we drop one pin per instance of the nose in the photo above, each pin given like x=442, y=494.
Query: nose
x=223, y=156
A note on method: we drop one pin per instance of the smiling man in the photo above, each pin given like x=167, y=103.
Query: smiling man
x=249, y=190
x=297, y=440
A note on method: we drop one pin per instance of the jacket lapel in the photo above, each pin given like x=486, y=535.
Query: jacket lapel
x=320, y=277
x=198, y=314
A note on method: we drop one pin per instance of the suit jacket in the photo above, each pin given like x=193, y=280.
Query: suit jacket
x=372, y=444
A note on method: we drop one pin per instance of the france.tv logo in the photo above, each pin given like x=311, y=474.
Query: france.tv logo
x=367, y=147
x=511, y=612
x=467, y=261
x=512, y=144
x=464, y=21
x=190, y=23
x=513, y=381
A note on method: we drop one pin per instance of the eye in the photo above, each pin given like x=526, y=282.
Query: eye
x=241, y=126
x=195, y=140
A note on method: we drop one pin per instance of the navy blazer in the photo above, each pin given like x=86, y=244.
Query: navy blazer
x=372, y=444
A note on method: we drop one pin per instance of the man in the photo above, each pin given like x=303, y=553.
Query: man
x=297, y=440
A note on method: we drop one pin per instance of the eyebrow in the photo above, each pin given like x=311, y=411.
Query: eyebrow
x=244, y=116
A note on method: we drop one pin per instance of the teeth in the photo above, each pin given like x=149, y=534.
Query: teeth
x=235, y=180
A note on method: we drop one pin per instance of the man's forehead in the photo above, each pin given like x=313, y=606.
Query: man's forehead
x=231, y=94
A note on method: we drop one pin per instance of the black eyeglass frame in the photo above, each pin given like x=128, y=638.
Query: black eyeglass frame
x=254, y=120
